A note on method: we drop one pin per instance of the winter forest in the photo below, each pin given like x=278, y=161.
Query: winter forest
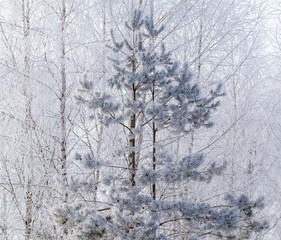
x=140, y=119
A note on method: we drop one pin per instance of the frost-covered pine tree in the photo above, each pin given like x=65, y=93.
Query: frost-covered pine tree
x=153, y=101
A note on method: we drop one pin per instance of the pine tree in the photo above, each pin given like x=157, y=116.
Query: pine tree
x=153, y=100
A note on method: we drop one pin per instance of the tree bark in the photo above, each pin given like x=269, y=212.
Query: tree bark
x=28, y=125
x=63, y=98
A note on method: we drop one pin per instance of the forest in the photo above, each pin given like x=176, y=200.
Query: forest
x=140, y=120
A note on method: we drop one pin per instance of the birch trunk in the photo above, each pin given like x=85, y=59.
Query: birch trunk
x=63, y=139
x=28, y=125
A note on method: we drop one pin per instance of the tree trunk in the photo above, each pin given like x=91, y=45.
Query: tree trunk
x=28, y=125
x=132, y=142
x=133, y=119
x=63, y=118
x=154, y=131
x=63, y=139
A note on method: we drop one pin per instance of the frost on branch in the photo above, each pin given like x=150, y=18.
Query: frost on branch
x=186, y=169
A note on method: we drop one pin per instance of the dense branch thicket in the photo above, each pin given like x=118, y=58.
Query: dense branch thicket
x=177, y=118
